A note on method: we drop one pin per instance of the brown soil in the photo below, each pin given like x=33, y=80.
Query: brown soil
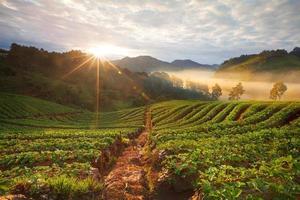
x=294, y=116
x=241, y=113
x=127, y=179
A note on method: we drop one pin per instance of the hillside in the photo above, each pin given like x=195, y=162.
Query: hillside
x=19, y=106
x=267, y=65
x=150, y=64
x=33, y=112
x=70, y=78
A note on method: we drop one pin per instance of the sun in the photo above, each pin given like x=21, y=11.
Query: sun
x=97, y=52
x=106, y=50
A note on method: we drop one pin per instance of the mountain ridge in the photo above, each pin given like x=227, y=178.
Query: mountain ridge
x=149, y=64
x=187, y=63
x=271, y=65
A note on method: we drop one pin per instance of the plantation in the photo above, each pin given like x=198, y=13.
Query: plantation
x=211, y=150
x=229, y=150
x=57, y=152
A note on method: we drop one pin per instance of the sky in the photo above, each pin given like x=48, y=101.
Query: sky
x=207, y=31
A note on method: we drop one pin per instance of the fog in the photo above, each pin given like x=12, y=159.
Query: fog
x=254, y=90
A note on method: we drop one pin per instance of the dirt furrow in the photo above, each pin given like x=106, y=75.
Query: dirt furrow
x=127, y=179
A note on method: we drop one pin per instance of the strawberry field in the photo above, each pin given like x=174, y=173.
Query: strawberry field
x=229, y=150
x=211, y=150
x=59, y=152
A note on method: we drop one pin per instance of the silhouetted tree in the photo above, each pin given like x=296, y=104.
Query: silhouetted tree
x=278, y=90
x=236, y=92
x=216, y=92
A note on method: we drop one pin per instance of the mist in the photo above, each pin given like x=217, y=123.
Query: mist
x=254, y=90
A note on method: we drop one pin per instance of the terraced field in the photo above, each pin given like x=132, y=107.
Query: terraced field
x=52, y=151
x=32, y=112
x=228, y=150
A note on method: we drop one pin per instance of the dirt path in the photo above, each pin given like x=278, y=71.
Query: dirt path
x=127, y=179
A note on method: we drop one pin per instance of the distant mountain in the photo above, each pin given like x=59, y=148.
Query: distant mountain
x=268, y=65
x=150, y=64
x=143, y=64
x=192, y=64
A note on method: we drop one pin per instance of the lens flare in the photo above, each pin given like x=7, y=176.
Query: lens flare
x=106, y=50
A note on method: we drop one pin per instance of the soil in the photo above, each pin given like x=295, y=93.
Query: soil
x=127, y=180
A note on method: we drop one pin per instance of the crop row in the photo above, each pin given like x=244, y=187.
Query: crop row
x=231, y=150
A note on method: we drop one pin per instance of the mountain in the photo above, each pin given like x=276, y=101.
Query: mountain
x=271, y=65
x=150, y=64
x=189, y=64
x=143, y=64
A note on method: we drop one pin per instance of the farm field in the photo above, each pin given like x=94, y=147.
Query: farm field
x=229, y=150
x=52, y=151
x=204, y=150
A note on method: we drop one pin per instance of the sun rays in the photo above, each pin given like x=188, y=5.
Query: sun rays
x=96, y=59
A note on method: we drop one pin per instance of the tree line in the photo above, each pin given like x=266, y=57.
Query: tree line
x=276, y=92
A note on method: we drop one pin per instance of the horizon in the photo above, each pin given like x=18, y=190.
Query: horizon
x=202, y=31
x=141, y=55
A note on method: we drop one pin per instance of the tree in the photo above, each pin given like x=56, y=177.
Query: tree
x=198, y=87
x=177, y=82
x=278, y=90
x=236, y=92
x=216, y=92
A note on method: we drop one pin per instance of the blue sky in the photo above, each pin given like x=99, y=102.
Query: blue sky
x=207, y=31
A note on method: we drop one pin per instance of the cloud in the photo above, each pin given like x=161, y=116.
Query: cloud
x=207, y=31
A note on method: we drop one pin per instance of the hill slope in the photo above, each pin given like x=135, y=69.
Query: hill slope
x=267, y=65
x=33, y=112
x=17, y=106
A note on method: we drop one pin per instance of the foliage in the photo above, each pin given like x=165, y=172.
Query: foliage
x=65, y=145
x=236, y=92
x=216, y=92
x=278, y=90
x=60, y=187
x=162, y=86
x=236, y=150
x=265, y=66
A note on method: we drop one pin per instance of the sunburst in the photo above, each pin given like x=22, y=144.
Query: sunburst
x=98, y=55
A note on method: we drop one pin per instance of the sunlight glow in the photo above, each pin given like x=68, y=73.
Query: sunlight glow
x=99, y=56
x=106, y=50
